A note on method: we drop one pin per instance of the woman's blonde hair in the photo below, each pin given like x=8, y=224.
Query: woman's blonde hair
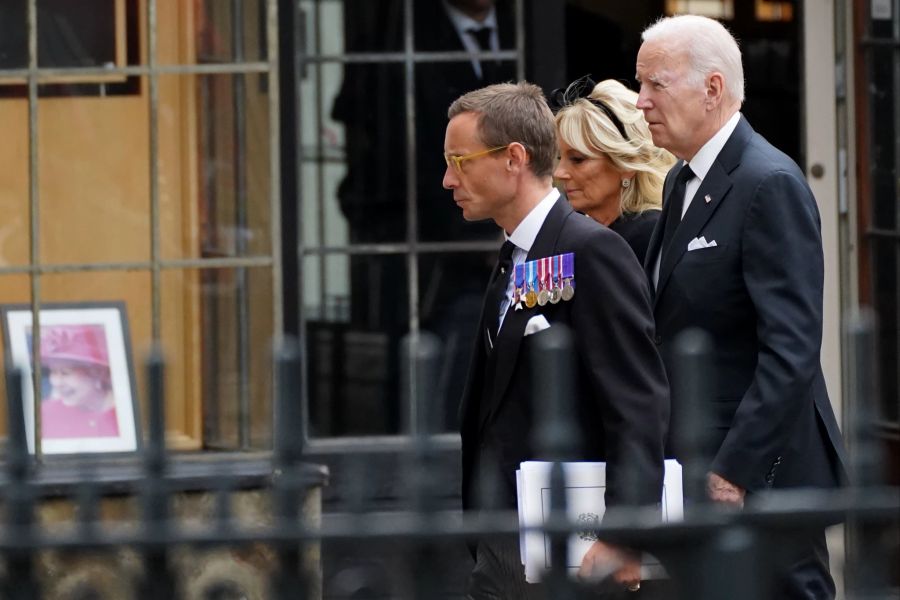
x=588, y=129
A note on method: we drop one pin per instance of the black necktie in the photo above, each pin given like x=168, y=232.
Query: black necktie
x=497, y=289
x=676, y=199
x=483, y=36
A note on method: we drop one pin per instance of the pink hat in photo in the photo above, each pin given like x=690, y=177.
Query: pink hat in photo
x=82, y=344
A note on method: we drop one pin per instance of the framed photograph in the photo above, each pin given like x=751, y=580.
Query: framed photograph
x=88, y=403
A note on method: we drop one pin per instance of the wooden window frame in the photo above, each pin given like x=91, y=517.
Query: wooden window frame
x=121, y=36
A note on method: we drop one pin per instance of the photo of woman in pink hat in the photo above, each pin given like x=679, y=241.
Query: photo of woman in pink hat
x=78, y=400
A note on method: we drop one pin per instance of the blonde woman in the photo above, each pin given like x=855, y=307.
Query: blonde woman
x=608, y=165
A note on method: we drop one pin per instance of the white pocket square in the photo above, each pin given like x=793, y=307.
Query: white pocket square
x=535, y=324
x=700, y=243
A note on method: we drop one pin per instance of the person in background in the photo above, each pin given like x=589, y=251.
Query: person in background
x=500, y=148
x=608, y=165
x=737, y=252
x=373, y=195
x=80, y=402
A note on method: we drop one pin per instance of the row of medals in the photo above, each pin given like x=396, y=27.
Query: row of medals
x=559, y=291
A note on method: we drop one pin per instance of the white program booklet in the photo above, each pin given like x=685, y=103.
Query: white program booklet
x=585, y=488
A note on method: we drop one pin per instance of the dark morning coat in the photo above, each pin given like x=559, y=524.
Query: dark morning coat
x=621, y=395
x=758, y=292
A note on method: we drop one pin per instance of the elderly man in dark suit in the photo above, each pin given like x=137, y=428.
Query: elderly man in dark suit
x=500, y=148
x=738, y=252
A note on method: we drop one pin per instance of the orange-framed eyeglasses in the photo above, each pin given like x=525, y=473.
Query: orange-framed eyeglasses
x=457, y=161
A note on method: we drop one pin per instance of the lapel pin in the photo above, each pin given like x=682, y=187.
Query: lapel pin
x=707, y=198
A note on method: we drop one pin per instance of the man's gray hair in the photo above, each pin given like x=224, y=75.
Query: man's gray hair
x=709, y=46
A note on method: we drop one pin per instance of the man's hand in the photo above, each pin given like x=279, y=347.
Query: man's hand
x=603, y=560
x=722, y=491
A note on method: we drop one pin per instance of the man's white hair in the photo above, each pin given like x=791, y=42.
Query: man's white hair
x=709, y=45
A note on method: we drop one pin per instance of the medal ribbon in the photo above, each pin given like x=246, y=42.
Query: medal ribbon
x=568, y=265
x=542, y=272
x=556, y=277
x=531, y=277
x=520, y=277
x=519, y=282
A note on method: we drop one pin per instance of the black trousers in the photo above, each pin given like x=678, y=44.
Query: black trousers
x=808, y=576
x=500, y=575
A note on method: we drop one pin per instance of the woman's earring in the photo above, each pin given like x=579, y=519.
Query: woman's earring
x=626, y=183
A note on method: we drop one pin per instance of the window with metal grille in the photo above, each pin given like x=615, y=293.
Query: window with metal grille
x=164, y=200
x=879, y=203
x=384, y=252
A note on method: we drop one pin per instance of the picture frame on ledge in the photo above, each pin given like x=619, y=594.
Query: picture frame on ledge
x=88, y=402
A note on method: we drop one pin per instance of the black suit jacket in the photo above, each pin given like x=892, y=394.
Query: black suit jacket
x=758, y=292
x=621, y=394
x=636, y=229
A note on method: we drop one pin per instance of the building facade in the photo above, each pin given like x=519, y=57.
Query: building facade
x=229, y=172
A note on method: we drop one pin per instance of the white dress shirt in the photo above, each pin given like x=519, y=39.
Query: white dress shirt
x=463, y=22
x=523, y=237
x=700, y=165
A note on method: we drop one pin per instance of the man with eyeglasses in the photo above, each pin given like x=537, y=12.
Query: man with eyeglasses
x=500, y=148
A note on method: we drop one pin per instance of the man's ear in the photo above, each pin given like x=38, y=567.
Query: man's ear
x=517, y=156
x=715, y=90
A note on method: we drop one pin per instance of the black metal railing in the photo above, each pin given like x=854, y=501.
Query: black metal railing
x=712, y=553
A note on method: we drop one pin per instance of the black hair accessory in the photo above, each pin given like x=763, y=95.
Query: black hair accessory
x=581, y=89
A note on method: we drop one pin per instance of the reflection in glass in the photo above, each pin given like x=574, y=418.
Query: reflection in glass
x=69, y=34
x=886, y=296
x=438, y=84
x=369, y=25
x=372, y=195
x=884, y=216
x=370, y=108
x=89, y=33
x=355, y=176
x=885, y=130
x=323, y=157
x=451, y=293
x=217, y=336
x=353, y=345
x=233, y=124
x=326, y=286
x=218, y=40
x=322, y=221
